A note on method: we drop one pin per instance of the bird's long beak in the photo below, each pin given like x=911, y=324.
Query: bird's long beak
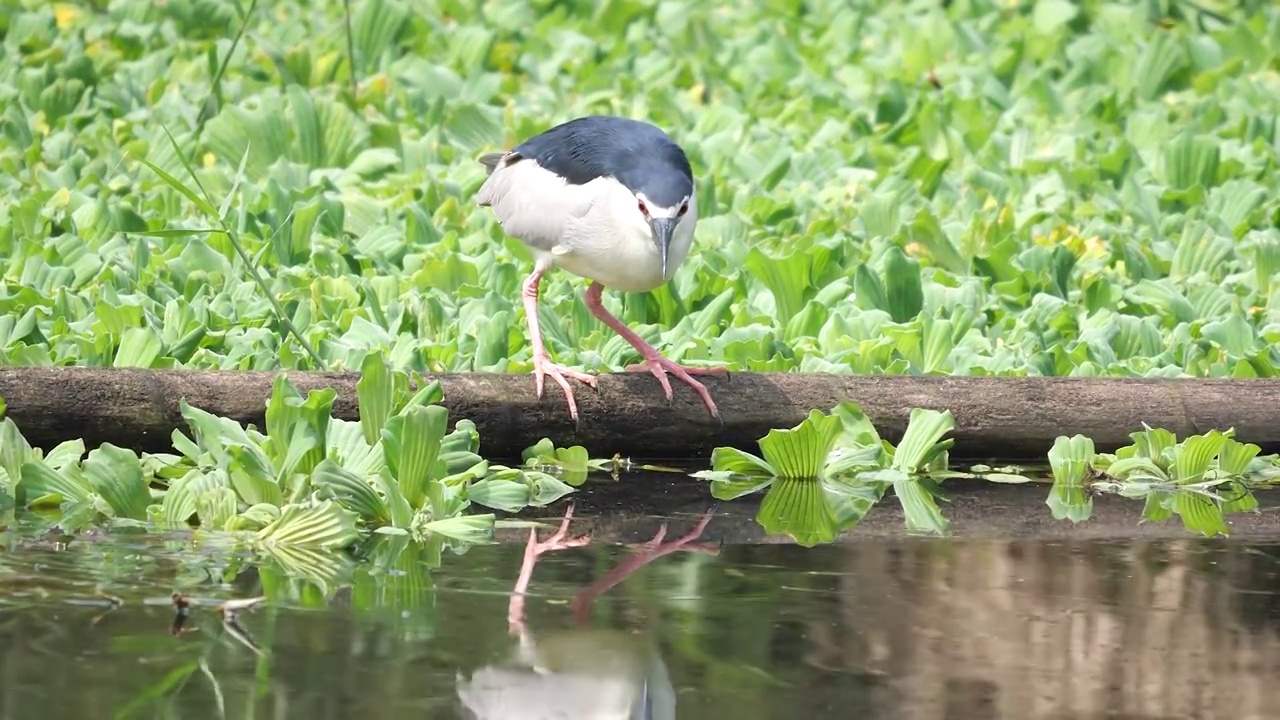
x=663, y=229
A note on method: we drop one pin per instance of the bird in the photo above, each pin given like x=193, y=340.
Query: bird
x=607, y=198
x=581, y=671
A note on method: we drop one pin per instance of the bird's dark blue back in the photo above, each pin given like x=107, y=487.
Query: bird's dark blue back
x=637, y=154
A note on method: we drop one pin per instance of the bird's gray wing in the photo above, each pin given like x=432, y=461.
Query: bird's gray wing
x=532, y=203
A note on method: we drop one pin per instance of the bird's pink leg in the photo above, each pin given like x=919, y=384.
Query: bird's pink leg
x=542, y=365
x=648, y=552
x=654, y=362
x=557, y=541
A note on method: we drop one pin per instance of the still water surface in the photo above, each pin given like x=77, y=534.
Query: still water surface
x=947, y=629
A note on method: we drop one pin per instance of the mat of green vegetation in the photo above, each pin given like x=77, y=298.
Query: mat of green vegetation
x=1046, y=188
x=1043, y=187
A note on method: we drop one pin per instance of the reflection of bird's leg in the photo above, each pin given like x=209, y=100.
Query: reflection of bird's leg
x=534, y=548
x=542, y=365
x=647, y=553
x=654, y=362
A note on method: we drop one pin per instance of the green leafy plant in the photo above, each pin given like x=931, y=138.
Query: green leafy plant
x=826, y=473
x=1201, y=478
x=1070, y=460
x=204, y=186
x=571, y=463
x=280, y=195
x=821, y=477
x=309, y=481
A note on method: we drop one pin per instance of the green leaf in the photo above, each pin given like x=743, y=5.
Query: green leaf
x=401, y=513
x=1158, y=506
x=1138, y=468
x=731, y=488
x=801, y=451
x=297, y=429
x=869, y=292
x=1154, y=443
x=41, y=484
x=323, y=524
x=1194, y=456
x=856, y=427
x=1191, y=160
x=786, y=277
x=350, y=491
x=574, y=459
x=1234, y=456
x=139, y=347
x=1070, y=459
x=904, y=294
x=216, y=508
x=254, y=518
x=922, y=440
x=182, y=500
x=429, y=394
x=1050, y=16
x=502, y=494
x=177, y=232
x=739, y=462
x=116, y=474
x=797, y=507
x=858, y=446
x=1199, y=513
x=376, y=395
x=411, y=441
x=919, y=506
x=375, y=28
x=471, y=529
x=348, y=448
x=251, y=477
x=15, y=451
x=541, y=449
x=1233, y=334
x=548, y=488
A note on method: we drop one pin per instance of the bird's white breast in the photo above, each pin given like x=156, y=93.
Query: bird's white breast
x=613, y=245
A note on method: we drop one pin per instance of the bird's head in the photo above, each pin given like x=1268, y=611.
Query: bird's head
x=662, y=220
x=661, y=198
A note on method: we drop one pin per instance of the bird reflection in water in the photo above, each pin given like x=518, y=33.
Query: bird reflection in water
x=582, y=672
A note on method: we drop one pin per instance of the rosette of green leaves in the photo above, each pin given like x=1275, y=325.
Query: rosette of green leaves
x=1201, y=479
x=826, y=473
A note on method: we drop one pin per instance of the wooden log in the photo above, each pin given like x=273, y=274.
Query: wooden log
x=996, y=417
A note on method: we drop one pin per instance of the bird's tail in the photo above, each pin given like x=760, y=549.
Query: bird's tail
x=490, y=161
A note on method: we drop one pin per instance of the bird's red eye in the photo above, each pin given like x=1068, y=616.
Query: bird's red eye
x=644, y=210
x=684, y=208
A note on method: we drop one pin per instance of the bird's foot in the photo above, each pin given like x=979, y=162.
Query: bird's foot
x=659, y=366
x=559, y=540
x=543, y=368
x=656, y=544
x=646, y=552
x=684, y=542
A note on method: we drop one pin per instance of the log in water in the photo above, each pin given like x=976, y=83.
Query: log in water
x=1002, y=417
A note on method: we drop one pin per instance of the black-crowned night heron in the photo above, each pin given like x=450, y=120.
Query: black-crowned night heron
x=606, y=198
x=582, y=672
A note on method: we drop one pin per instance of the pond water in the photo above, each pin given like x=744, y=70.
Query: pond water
x=725, y=626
